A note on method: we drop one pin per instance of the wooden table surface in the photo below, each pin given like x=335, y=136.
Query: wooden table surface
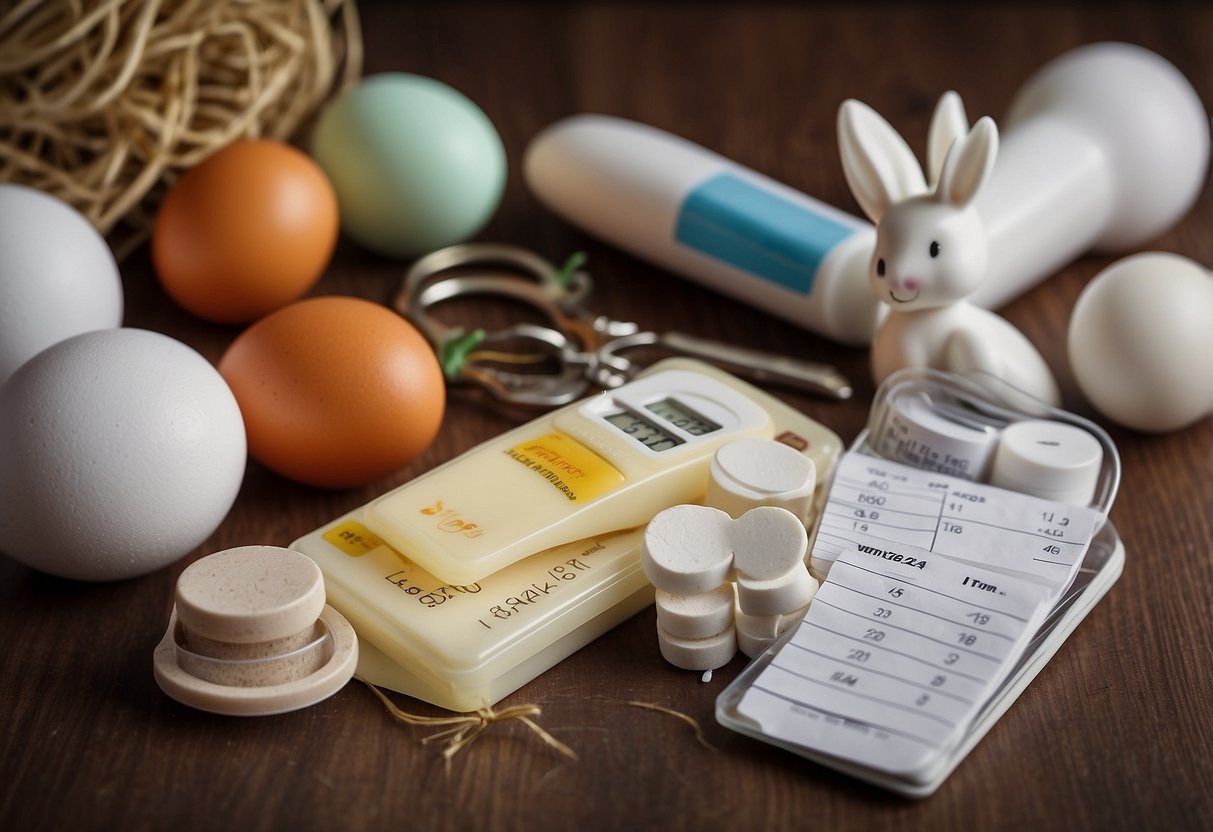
x=1114, y=733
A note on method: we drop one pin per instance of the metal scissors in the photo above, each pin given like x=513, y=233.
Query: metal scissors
x=585, y=349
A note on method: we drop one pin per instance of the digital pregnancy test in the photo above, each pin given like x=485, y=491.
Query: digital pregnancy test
x=1105, y=147
x=604, y=464
x=464, y=646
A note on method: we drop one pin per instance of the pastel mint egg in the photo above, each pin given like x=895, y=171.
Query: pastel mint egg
x=416, y=164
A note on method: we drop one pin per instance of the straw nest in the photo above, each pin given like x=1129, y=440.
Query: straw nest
x=105, y=102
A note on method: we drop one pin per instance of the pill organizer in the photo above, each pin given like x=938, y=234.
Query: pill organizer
x=463, y=645
x=942, y=596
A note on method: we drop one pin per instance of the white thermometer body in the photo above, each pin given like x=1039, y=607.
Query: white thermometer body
x=1105, y=147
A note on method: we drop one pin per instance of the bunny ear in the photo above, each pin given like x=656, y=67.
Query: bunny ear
x=879, y=166
x=968, y=164
x=948, y=124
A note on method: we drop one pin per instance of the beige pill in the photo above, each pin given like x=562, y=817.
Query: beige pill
x=767, y=542
x=698, y=653
x=260, y=670
x=248, y=595
x=696, y=616
x=250, y=634
x=776, y=596
x=686, y=549
x=748, y=473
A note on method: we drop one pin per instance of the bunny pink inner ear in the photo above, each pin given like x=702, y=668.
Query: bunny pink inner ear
x=879, y=166
x=968, y=164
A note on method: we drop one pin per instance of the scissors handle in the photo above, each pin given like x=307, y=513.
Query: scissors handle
x=756, y=365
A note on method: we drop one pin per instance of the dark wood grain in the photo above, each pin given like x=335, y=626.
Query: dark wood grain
x=1114, y=733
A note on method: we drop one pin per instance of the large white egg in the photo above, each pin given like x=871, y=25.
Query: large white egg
x=1141, y=342
x=120, y=452
x=57, y=276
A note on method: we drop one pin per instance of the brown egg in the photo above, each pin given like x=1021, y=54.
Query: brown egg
x=245, y=232
x=335, y=391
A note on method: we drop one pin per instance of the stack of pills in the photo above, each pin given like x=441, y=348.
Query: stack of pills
x=687, y=555
x=250, y=634
x=774, y=586
x=752, y=532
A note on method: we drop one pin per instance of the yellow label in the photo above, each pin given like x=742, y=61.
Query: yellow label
x=353, y=538
x=573, y=469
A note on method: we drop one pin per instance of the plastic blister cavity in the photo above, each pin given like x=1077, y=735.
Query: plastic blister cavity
x=956, y=425
x=973, y=410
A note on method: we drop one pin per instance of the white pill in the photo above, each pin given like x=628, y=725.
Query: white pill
x=1049, y=459
x=749, y=473
x=781, y=595
x=752, y=646
x=698, y=653
x=757, y=626
x=696, y=616
x=755, y=633
x=767, y=542
x=686, y=549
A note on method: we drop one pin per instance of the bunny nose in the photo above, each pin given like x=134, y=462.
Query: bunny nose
x=911, y=283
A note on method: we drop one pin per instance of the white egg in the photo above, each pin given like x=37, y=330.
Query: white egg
x=120, y=452
x=1141, y=343
x=57, y=276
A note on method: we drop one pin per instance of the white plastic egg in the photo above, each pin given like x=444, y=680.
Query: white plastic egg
x=120, y=452
x=57, y=276
x=1141, y=342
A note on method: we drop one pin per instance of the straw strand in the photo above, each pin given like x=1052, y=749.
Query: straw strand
x=105, y=103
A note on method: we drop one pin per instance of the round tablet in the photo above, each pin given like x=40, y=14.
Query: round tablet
x=784, y=594
x=686, y=549
x=767, y=542
x=250, y=594
x=755, y=633
x=698, y=653
x=1048, y=459
x=748, y=473
x=696, y=616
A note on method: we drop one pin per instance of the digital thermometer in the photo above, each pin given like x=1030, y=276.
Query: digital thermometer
x=1105, y=147
x=604, y=464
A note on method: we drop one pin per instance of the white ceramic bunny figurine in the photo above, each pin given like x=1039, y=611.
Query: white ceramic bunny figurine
x=931, y=248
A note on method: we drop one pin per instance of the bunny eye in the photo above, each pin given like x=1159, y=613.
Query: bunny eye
x=880, y=267
x=934, y=248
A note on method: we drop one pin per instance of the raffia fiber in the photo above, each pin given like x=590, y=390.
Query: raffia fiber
x=105, y=102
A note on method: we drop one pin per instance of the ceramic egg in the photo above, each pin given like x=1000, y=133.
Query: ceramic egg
x=1141, y=344
x=336, y=391
x=57, y=276
x=416, y=164
x=246, y=231
x=122, y=450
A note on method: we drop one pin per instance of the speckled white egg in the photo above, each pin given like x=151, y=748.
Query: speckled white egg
x=120, y=451
x=1141, y=342
x=57, y=276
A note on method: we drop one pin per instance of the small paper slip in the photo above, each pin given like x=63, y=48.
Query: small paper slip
x=899, y=652
x=1002, y=529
